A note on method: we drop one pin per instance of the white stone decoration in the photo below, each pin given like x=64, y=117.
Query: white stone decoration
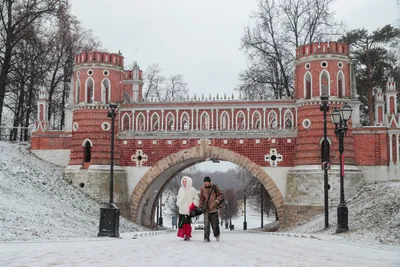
x=139, y=142
x=154, y=142
x=169, y=142
x=307, y=66
x=273, y=140
x=90, y=72
x=273, y=157
x=105, y=126
x=241, y=141
x=340, y=65
x=139, y=158
x=209, y=142
x=125, y=142
x=225, y=141
x=306, y=123
x=324, y=64
x=289, y=141
x=198, y=142
x=78, y=74
x=106, y=72
x=257, y=141
x=75, y=126
x=184, y=142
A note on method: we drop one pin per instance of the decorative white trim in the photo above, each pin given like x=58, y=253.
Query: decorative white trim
x=154, y=142
x=109, y=90
x=87, y=140
x=90, y=72
x=170, y=114
x=340, y=64
x=86, y=89
x=307, y=74
x=291, y=118
x=106, y=72
x=306, y=123
x=152, y=121
x=123, y=122
x=105, y=126
x=271, y=116
x=273, y=157
x=241, y=141
x=225, y=142
x=139, y=157
x=307, y=65
x=340, y=72
x=324, y=62
x=207, y=118
x=75, y=126
x=254, y=123
x=125, y=142
x=329, y=82
x=237, y=119
x=137, y=122
x=226, y=114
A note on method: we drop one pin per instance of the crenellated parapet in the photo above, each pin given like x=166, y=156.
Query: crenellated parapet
x=322, y=48
x=97, y=57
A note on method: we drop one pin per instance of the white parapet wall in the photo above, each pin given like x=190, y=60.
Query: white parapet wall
x=374, y=174
x=58, y=157
x=133, y=175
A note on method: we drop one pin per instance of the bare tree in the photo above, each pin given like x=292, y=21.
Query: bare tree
x=279, y=27
x=17, y=18
x=230, y=208
x=154, y=82
x=176, y=88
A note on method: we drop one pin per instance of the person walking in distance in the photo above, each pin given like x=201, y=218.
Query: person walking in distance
x=210, y=198
x=187, y=197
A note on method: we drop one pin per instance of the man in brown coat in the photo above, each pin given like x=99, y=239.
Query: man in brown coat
x=211, y=209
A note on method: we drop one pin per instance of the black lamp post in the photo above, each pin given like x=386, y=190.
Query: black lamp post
x=109, y=217
x=340, y=119
x=160, y=220
x=226, y=215
x=244, y=207
x=325, y=108
x=262, y=205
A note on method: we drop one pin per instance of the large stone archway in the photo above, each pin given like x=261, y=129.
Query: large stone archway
x=145, y=193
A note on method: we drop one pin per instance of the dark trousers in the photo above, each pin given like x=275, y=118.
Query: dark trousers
x=211, y=218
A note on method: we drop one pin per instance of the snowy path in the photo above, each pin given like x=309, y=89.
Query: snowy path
x=234, y=249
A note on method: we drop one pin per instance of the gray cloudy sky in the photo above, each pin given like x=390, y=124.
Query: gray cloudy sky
x=198, y=38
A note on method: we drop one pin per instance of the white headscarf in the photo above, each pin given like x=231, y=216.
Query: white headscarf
x=186, y=196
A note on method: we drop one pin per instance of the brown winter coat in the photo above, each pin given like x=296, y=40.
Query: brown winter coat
x=215, y=199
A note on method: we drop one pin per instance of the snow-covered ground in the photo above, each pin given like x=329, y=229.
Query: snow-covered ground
x=374, y=216
x=165, y=249
x=37, y=204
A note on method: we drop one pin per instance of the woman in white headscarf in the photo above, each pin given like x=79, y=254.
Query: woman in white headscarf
x=187, y=198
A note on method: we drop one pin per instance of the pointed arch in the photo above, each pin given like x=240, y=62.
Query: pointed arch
x=256, y=120
x=224, y=121
x=341, y=90
x=126, y=122
x=185, y=125
x=140, y=122
x=155, y=122
x=307, y=85
x=89, y=90
x=204, y=121
x=272, y=120
x=240, y=121
x=87, y=150
x=105, y=91
x=288, y=120
x=77, y=91
x=324, y=83
x=170, y=121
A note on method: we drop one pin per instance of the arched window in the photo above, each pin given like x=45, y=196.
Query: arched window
x=155, y=122
x=288, y=118
x=272, y=120
x=87, y=151
x=77, y=91
x=105, y=91
x=89, y=90
x=126, y=122
x=185, y=126
x=307, y=85
x=224, y=122
x=204, y=121
x=240, y=121
x=256, y=121
x=170, y=122
x=140, y=123
x=340, y=84
x=324, y=83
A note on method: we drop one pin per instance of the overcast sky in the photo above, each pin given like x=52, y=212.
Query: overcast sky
x=198, y=38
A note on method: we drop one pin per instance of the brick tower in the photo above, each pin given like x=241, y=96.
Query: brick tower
x=322, y=69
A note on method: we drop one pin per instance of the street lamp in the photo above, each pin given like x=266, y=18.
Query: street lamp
x=160, y=220
x=325, y=108
x=226, y=215
x=109, y=217
x=262, y=204
x=340, y=119
x=244, y=206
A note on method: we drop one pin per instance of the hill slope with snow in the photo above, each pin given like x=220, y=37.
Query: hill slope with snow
x=37, y=204
x=374, y=216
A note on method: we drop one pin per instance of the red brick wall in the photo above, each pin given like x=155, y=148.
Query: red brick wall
x=371, y=149
x=89, y=127
x=50, y=141
x=255, y=152
x=308, y=149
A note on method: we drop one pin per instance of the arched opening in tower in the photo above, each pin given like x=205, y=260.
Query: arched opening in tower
x=87, y=152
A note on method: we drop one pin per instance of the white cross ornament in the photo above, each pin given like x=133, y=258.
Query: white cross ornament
x=273, y=157
x=139, y=157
